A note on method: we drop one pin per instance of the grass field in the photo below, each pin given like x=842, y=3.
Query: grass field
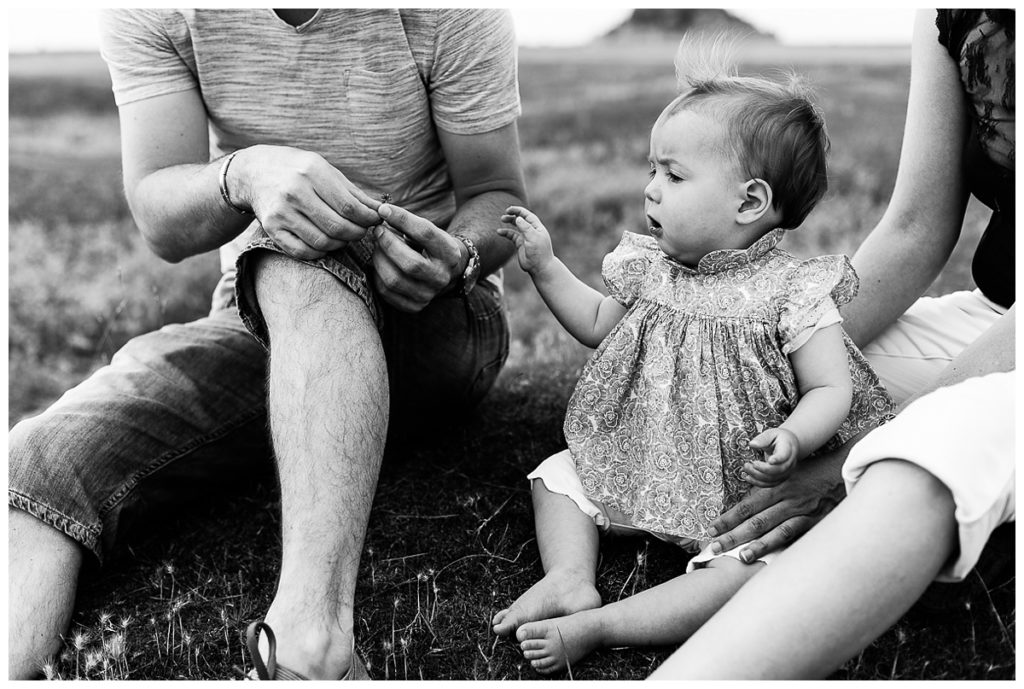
x=174, y=599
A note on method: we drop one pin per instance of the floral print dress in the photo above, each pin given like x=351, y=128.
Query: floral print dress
x=660, y=420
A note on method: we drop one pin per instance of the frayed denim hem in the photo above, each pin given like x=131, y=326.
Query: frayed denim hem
x=87, y=536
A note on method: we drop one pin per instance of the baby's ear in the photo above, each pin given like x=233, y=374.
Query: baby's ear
x=757, y=201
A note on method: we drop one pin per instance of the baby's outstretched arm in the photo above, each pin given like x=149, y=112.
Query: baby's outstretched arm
x=826, y=391
x=587, y=314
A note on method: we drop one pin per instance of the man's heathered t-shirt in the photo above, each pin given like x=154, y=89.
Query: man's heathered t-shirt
x=364, y=88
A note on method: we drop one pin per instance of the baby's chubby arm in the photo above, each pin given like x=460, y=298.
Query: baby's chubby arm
x=826, y=392
x=587, y=314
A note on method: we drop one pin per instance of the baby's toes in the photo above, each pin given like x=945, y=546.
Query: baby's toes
x=532, y=644
x=545, y=665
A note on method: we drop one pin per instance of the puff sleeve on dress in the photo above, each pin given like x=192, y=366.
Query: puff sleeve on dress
x=625, y=268
x=817, y=288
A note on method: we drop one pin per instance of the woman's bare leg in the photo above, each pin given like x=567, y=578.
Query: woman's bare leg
x=829, y=595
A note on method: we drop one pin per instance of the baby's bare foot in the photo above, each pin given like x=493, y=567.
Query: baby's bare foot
x=558, y=593
x=552, y=645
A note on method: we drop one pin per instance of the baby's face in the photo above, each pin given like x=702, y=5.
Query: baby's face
x=695, y=190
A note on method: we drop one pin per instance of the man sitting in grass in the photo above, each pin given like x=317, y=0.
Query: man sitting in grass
x=273, y=135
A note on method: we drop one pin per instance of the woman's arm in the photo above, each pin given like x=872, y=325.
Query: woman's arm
x=993, y=351
x=912, y=242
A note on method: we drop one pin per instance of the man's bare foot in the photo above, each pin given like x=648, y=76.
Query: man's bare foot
x=558, y=593
x=551, y=645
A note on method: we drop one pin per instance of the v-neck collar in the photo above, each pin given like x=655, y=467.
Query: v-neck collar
x=304, y=26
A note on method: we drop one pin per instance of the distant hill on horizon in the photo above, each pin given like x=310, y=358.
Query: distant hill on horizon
x=673, y=23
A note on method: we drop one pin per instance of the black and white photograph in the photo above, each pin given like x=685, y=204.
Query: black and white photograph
x=570, y=341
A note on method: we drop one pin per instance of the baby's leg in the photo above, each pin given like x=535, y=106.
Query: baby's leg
x=663, y=615
x=568, y=543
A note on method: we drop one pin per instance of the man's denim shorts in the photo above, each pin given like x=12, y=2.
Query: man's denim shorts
x=185, y=407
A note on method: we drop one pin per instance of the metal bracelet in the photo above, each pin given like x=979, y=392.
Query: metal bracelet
x=224, y=186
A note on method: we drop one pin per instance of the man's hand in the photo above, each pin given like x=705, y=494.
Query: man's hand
x=410, y=270
x=781, y=450
x=306, y=205
x=769, y=518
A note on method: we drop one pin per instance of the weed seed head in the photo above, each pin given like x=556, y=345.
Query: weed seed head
x=114, y=646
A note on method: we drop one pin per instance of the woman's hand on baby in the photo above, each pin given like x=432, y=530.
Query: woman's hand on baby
x=533, y=243
x=781, y=449
x=767, y=519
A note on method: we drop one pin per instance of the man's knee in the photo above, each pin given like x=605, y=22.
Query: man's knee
x=282, y=280
x=292, y=294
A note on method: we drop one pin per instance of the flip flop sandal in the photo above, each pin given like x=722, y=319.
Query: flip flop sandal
x=272, y=671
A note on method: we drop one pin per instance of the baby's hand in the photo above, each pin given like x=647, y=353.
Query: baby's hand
x=533, y=243
x=781, y=449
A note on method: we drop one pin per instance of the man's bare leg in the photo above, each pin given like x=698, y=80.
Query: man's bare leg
x=663, y=615
x=328, y=408
x=568, y=544
x=43, y=577
x=831, y=593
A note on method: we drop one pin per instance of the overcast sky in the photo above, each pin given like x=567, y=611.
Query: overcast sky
x=74, y=28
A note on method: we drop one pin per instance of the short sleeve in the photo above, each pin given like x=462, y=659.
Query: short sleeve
x=141, y=54
x=474, y=86
x=625, y=268
x=816, y=288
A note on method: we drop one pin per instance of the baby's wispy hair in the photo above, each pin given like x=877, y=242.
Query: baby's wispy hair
x=704, y=57
x=706, y=61
x=773, y=129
